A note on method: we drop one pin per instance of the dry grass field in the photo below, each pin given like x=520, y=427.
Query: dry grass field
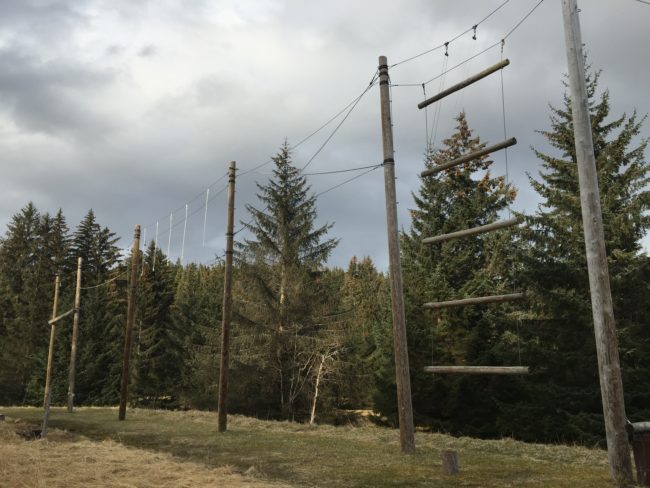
x=90, y=448
x=67, y=460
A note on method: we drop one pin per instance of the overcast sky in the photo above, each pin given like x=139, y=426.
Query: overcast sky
x=133, y=108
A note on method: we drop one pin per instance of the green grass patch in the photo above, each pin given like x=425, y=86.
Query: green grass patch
x=328, y=456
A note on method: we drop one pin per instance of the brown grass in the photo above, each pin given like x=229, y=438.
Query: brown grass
x=69, y=461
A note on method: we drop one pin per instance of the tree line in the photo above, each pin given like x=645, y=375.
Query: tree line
x=312, y=342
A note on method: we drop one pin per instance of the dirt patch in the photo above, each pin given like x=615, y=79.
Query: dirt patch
x=71, y=461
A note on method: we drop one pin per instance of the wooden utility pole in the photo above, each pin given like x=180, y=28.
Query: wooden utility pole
x=609, y=370
x=50, y=357
x=403, y=380
x=130, y=316
x=75, y=333
x=227, y=305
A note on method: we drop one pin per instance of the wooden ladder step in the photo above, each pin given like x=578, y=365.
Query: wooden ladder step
x=501, y=224
x=469, y=157
x=463, y=84
x=477, y=369
x=474, y=301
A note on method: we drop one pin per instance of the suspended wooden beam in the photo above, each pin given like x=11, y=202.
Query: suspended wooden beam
x=463, y=84
x=469, y=157
x=474, y=301
x=63, y=315
x=477, y=369
x=471, y=232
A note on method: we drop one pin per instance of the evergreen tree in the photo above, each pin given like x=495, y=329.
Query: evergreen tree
x=463, y=197
x=158, y=364
x=32, y=253
x=197, y=312
x=368, y=346
x=100, y=312
x=564, y=392
x=283, y=291
x=22, y=317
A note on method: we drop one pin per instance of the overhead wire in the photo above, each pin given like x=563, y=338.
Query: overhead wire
x=349, y=180
x=490, y=47
x=458, y=36
x=372, y=83
x=359, y=168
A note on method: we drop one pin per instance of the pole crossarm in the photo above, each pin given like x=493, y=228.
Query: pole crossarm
x=463, y=84
x=473, y=301
x=477, y=369
x=472, y=231
x=469, y=157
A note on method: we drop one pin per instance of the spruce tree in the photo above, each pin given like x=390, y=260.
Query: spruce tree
x=368, y=346
x=24, y=335
x=99, y=309
x=283, y=291
x=197, y=312
x=158, y=362
x=564, y=392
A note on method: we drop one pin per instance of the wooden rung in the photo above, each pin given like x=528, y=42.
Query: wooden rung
x=477, y=369
x=471, y=232
x=463, y=84
x=474, y=301
x=63, y=315
x=469, y=157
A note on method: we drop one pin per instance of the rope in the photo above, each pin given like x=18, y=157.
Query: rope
x=184, y=232
x=169, y=241
x=205, y=216
x=505, y=132
x=436, y=118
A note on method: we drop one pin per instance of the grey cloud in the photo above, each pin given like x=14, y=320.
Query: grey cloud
x=49, y=23
x=52, y=97
x=147, y=51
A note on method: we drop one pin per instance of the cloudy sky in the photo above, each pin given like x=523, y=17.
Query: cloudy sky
x=135, y=108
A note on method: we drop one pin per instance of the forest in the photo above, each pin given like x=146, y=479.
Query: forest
x=312, y=342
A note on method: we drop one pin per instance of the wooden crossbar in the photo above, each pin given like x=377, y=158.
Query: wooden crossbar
x=463, y=84
x=471, y=232
x=474, y=301
x=477, y=369
x=469, y=157
x=63, y=315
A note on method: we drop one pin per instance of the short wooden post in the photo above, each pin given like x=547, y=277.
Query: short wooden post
x=227, y=306
x=50, y=357
x=403, y=380
x=450, y=462
x=130, y=317
x=75, y=333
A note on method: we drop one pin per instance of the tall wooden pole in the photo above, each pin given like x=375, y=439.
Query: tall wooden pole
x=75, y=333
x=50, y=357
x=227, y=305
x=611, y=384
x=407, y=437
x=130, y=316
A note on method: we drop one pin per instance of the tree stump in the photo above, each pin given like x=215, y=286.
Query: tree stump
x=450, y=462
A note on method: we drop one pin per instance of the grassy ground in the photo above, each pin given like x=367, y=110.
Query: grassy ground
x=68, y=460
x=326, y=456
